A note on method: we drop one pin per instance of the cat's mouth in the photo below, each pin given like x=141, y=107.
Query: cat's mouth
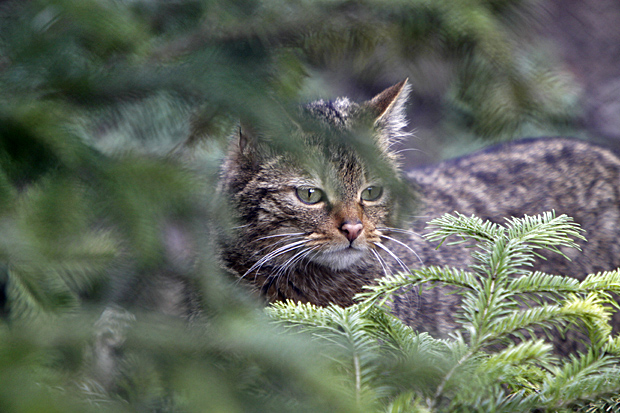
x=340, y=259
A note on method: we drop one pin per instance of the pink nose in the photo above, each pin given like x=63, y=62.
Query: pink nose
x=352, y=230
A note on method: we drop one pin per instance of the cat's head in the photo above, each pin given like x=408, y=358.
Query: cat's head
x=327, y=191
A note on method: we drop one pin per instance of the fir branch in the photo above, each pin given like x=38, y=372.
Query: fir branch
x=481, y=313
x=602, y=281
x=594, y=313
x=346, y=330
x=540, y=283
x=461, y=363
x=385, y=287
x=466, y=227
x=589, y=310
x=32, y=293
x=580, y=378
x=613, y=346
x=545, y=231
x=537, y=352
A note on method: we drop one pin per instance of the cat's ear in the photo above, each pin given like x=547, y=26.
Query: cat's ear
x=246, y=147
x=247, y=139
x=388, y=107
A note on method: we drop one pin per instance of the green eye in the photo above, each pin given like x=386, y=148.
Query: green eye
x=372, y=193
x=309, y=195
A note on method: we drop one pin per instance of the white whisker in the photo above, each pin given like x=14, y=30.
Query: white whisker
x=404, y=245
x=276, y=243
x=291, y=261
x=273, y=254
x=288, y=265
x=317, y=251
x=398, y=260
x=380, y=260
x=400, y=231
x=407, y=150
x=280, y=235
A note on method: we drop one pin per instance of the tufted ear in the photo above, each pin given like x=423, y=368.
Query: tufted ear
x=242, y=159
x=388, y=110
x=390, y=104
x=247, y=138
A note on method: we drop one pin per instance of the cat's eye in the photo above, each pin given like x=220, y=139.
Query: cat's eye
x=309, y=195
x=372, y=193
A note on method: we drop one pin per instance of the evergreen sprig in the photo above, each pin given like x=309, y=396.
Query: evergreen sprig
x=502, y=356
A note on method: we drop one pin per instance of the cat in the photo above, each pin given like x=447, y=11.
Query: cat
x=318, y=225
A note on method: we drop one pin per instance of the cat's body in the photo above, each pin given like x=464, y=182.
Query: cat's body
x=319, y=231
x=529, y=177
x=519, y=178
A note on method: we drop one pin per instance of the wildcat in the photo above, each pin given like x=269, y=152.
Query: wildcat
x=319, y=224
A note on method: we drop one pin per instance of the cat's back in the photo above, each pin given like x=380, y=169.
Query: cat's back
x=541, y=172
x=531, y=176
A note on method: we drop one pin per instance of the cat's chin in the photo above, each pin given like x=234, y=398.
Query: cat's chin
x=340, y=260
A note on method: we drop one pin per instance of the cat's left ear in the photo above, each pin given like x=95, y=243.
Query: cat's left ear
x=388, y=107
x=248, y=138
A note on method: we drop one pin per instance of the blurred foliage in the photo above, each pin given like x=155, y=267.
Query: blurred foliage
x=97, y=93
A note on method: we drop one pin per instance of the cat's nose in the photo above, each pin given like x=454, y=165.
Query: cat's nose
x=352, y=229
